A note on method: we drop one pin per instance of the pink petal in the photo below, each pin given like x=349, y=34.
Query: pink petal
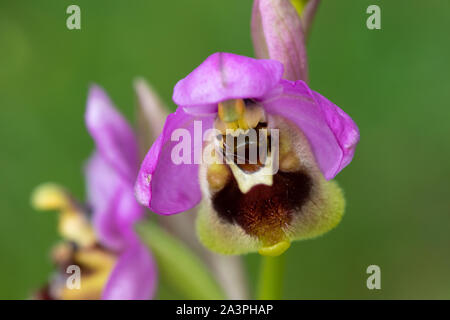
x=277, y=34
x=331, y=133
x=162, y=185
x=113, y=136
x=344, y=128
x=103, y=188
x=134, y=276
x=115, y=209
x=129, y=212
x=225, y=76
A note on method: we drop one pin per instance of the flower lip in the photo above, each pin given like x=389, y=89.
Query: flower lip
x=264, y=211
x=224, y=76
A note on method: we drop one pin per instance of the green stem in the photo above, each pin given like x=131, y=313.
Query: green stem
x=271, y=278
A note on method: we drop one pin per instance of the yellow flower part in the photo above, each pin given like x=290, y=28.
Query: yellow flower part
x=79, y=248
x=299, y=5
x=95, y=265
x=73, y=223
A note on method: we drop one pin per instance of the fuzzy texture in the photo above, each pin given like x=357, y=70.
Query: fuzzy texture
x=322, y=211
x=317, y=219
x=110, y=173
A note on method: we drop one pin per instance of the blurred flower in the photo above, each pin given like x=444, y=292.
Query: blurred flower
x=110, y=174
x=243, y=210
x=79, y=247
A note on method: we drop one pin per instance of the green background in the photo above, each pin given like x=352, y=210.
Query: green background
x=394, y=82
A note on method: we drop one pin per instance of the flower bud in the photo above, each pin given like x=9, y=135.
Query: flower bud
x=277, y=34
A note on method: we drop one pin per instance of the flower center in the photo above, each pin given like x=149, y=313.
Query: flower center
x=244, y=144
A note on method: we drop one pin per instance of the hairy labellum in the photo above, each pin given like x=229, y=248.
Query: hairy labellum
x=264, y=210
x=267, y=215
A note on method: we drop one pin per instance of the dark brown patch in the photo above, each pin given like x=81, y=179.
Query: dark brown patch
x=235, y=147
x=264, y=210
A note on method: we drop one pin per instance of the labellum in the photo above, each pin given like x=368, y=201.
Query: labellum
x=247, y=201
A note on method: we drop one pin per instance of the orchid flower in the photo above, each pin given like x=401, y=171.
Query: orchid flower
x=129, y=271
x=110, y=174
x=244, y=209
x=78, y=249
